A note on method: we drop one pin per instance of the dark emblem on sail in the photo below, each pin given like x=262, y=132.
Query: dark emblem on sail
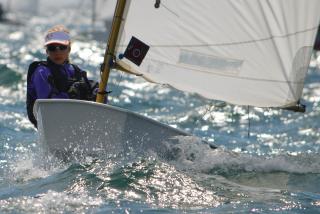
x=157, y=4
x=136, y=51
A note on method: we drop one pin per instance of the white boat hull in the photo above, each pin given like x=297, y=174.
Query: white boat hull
x=74, y=127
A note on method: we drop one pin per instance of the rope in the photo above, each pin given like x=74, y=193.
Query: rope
x=249, y=124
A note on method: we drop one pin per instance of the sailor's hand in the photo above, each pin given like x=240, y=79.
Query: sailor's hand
x=73, y=91
x=78, y=90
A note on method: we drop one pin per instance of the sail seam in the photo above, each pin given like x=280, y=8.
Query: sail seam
x=234, y=77
x=234, y=43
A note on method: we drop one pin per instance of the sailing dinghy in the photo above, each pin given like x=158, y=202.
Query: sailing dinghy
x=248, y=52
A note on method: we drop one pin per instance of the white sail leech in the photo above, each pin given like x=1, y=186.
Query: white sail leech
x=249, y=52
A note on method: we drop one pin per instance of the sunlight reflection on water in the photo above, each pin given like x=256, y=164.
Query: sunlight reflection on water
x=275, y=153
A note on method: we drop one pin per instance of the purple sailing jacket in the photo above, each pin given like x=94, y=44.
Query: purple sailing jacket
x=49, y=80
x=39, y=86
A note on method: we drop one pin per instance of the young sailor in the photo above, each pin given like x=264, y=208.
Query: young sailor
x=57, y=77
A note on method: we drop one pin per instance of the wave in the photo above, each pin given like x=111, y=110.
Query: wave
x=194, y=154
x=187, y=173
x=9, y=77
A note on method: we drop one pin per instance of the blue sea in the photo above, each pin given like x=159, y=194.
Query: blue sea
x=267, y=160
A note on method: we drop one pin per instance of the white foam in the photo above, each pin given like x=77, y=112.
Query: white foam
x=26, y=164
x=192, y=153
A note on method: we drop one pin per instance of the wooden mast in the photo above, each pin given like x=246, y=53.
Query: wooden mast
x=109, y=54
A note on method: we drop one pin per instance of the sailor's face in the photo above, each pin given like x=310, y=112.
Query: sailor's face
x=58, y=53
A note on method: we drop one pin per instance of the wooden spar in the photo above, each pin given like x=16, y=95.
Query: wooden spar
x=108, y=56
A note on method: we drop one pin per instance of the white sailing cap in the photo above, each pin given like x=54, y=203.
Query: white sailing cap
x=58, y=37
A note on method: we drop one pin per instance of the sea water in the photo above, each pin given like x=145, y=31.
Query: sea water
x=267, y=160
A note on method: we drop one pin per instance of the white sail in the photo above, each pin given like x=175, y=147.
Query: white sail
x=246, y=52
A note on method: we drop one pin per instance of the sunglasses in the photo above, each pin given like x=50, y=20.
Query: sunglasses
x=53, y=48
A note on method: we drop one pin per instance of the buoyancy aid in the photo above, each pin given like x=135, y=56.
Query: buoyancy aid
x=77, y=87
